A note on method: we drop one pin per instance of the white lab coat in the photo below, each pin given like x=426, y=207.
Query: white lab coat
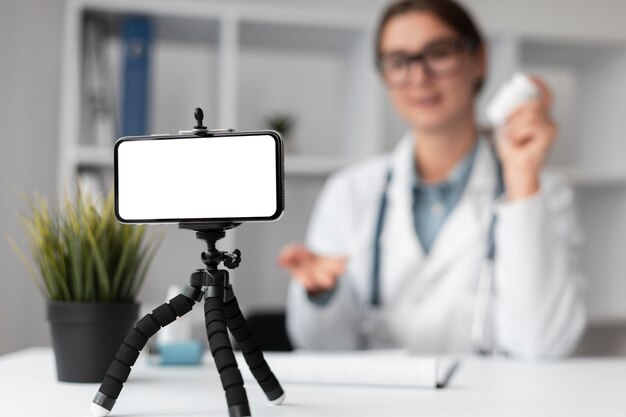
x=428, y=302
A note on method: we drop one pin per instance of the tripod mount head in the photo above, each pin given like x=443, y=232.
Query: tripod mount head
x=199, y=129
x=211, y=233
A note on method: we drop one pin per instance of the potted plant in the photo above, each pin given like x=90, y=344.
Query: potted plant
x=90, y=268
x=284, y=124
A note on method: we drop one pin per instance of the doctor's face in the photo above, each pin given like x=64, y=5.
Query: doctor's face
x=430, y=70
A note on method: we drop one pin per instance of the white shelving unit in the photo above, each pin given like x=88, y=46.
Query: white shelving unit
x=242, y=62
x=298, y=165
x=100, y=157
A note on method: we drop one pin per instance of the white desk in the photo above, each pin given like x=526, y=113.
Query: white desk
x=481, y=387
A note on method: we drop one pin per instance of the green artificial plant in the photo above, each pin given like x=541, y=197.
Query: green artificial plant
x=283, y=123
x=83, y=254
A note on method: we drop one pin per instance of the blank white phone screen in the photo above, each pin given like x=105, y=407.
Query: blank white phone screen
x=197, y=178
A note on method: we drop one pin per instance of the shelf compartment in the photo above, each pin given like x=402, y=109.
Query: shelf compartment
x=183, y=71
x=313, y=165
x=92, y=157
x=319, y=75
x=588, y=82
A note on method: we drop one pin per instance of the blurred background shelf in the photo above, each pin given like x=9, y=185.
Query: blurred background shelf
x=582, y=178
x=94, y=157
x=304, y=165
x=244, y=61
x=313, y=165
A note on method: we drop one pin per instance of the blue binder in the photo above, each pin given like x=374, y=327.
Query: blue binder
x=137, y=43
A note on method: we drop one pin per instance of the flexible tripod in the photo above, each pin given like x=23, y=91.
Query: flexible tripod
x=221, y=311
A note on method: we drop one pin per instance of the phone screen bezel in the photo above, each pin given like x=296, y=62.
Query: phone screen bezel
x=280, y=178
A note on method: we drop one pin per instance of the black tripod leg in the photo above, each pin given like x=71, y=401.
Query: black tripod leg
x=253, y=354
x=127, y=354
x=225, y=361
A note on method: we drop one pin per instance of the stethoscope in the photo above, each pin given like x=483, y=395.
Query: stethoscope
x=478, y=335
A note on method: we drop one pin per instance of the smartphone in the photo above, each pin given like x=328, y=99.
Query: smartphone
x=223, y=177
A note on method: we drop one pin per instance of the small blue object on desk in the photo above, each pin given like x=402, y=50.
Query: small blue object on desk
x=180, y=353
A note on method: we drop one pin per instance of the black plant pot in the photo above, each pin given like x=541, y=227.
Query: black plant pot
x=86, y=336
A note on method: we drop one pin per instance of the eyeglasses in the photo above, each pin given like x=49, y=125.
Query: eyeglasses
x=440, y=59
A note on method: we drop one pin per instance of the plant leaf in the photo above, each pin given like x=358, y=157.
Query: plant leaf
x=81, y=253
x=102, y=275
x=153, y=246
x=35, y=277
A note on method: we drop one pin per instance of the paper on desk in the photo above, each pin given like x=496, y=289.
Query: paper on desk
x=386, y=368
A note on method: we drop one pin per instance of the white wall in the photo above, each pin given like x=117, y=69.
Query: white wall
x=30, y=45
x=4, y=108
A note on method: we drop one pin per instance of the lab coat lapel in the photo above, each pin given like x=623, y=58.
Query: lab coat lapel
x=405, y=267
x=468, y=223
x=402, y=253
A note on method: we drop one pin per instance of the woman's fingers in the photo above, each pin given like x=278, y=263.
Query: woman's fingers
x=333, y=265
x=322, y=278
x=314, y=278
x=545, y=93
x=516, y=128
x=530, y=108
x=321, y=273
x=530, y=125
x=315, y=273
x=532, y=113
x=293, y=255
x=307, y=278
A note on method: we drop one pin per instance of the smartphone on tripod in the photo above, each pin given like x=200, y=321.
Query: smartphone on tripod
x=222, y=176
x=208, y=181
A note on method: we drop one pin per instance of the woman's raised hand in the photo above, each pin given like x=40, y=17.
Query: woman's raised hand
x=524, y=142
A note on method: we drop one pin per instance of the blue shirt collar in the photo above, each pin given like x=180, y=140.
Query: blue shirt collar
x=457, y=178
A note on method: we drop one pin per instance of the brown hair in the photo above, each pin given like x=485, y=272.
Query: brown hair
x=448, y=11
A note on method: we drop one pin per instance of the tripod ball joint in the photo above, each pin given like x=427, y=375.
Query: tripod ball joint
x=232, y=260
x=213, y=257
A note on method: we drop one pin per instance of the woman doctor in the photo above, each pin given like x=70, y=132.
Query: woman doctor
x=441, y=246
